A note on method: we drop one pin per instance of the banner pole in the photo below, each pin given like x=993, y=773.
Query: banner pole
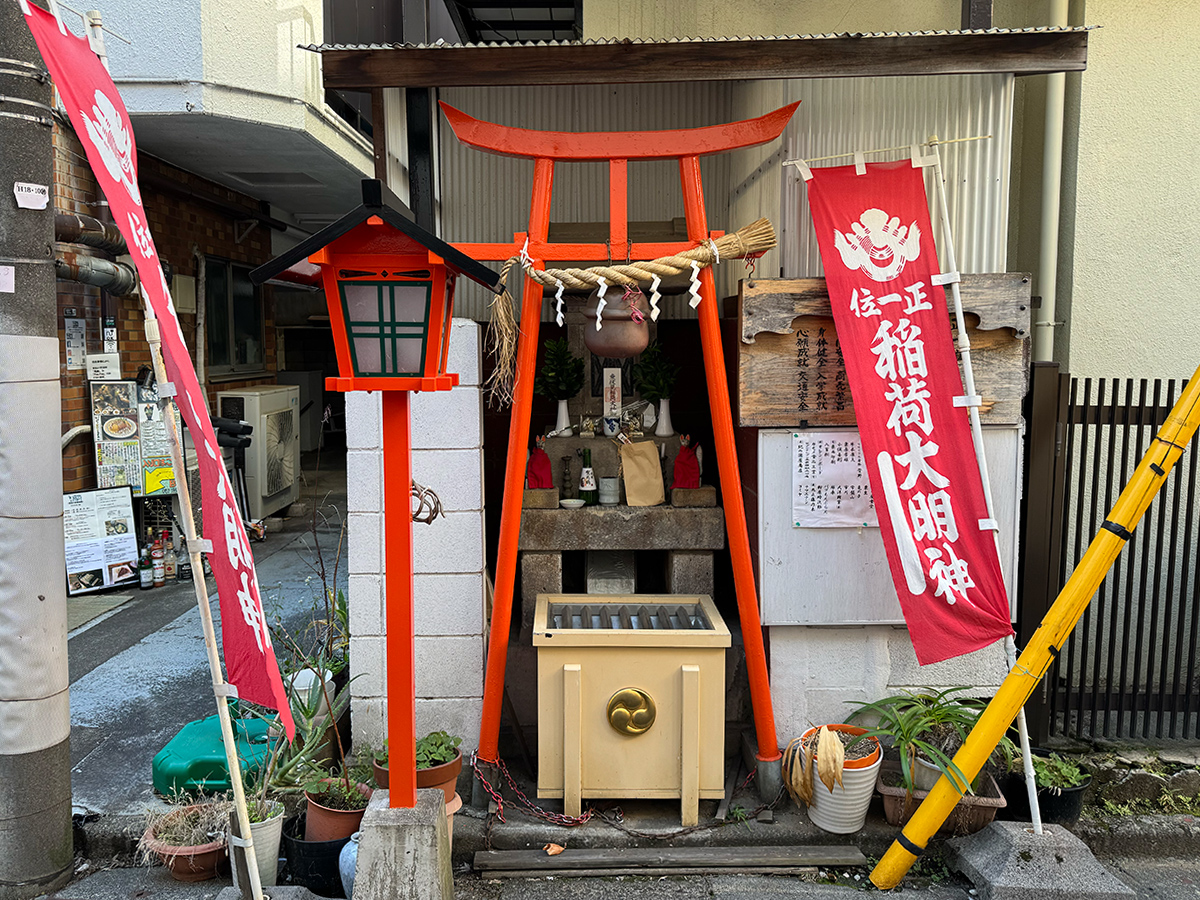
x=221, y=689
x=972, y=401
x=1151, y=474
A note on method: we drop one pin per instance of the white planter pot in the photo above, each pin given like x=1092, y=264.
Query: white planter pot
x=563, y=425
x=845, y=809
x=267, y=836
x=664, y=428
x=925, y=775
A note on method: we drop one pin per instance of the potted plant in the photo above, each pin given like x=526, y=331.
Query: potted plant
x=832, y=769
x=189, y=840
x=654, y=377
x=335, y=807
x=560, y=377
x=926, y=729
x=1061, y=783
x=266, y=830
x=438, y=763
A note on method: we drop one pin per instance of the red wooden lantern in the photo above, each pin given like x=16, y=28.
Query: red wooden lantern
x=389, y=286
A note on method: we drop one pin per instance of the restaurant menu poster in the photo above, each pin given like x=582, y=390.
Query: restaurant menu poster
x=830, y=486
x=158, y=473
x=100, y=538
x=131, y=438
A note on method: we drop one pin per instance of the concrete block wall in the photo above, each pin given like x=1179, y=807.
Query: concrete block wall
x=815, y=671
x=448, y=556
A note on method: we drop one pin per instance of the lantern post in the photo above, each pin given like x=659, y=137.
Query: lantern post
x=389, y=287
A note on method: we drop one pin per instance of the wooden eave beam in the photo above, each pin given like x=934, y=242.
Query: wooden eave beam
x=1026, y=53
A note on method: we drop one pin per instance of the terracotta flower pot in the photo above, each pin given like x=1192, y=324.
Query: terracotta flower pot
x=444, y=776
x=323, y=823
x=197, y=862
x=381, y=773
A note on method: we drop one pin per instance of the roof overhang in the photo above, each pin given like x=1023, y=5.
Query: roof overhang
x=1029, y=51
x=379, y=202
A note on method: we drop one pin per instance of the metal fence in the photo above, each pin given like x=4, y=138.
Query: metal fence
x=1129, y=668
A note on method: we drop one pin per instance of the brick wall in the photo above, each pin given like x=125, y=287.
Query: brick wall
x=180, y=219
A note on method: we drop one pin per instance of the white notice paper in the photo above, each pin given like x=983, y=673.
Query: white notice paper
x=31, y=196
x=103, y=367
x=830, y=486
x=8, y=280
x=76, y=340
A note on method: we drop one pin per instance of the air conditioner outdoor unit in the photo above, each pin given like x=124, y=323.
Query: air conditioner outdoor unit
x=273, y=458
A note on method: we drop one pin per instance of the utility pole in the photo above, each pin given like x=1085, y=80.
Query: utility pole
x=36, y=854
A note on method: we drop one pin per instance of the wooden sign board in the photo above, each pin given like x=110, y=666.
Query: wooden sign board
x=790, y=367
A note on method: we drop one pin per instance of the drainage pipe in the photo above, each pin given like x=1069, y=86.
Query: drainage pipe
x=76, y=229
x=117, y=278
x=201, y=341
x=74, y=433
x=1047, y=274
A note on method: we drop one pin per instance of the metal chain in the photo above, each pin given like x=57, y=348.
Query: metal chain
x=615, y=818
x=529, y=808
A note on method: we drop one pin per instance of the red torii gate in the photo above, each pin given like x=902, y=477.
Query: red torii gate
x=546, y=148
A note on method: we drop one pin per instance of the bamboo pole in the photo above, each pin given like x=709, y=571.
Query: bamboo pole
x=972, y=400
x=1149, y=477
x=220, y=688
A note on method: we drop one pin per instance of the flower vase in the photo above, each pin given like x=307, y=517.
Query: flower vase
x=563, y=426
x=664, y=428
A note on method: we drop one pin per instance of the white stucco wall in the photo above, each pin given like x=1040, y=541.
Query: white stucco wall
x=448, y=561
x=1137, y=208
x=231, y=59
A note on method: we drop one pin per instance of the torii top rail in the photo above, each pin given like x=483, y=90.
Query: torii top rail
x=546, y=148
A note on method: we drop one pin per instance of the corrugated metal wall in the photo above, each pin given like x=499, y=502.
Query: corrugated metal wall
x=847, y=114
x=486, y=197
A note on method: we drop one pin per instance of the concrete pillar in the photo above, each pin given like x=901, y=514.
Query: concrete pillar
x=541, y=573
x=35, y=721
x=690, y=572
x=404, y=854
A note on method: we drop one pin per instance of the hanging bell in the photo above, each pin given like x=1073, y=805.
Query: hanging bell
x=624, y=326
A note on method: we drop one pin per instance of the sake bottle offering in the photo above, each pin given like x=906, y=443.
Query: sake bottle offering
x=588, y=492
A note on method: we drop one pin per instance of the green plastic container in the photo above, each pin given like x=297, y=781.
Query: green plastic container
x=193, y=762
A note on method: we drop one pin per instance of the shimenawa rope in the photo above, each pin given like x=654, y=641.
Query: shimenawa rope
x=751, y=241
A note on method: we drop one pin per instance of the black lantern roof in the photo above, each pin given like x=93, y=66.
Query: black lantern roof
x=379, y=201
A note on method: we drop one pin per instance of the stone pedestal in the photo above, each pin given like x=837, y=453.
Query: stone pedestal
x=541, y=573
x=690, y=572
x=704, y=496
x=1007, y=861
x=404, y=854
x=690, y=536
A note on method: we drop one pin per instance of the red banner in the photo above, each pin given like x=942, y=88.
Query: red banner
x=102, y=125
x=879, y=257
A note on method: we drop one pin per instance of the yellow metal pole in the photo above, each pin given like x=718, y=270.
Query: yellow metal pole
x=1056, y=627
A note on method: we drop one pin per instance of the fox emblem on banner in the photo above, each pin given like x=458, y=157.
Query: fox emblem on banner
x=890, y=310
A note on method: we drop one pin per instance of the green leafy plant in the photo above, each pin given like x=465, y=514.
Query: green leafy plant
x=337, y=793
x=1055, y=773
x=436, y=748
x=290, y=766
x=932, y=725
x=655, y=374
x=560, y=376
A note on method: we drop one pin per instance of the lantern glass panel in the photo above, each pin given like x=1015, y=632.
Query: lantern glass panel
x=387, y=326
